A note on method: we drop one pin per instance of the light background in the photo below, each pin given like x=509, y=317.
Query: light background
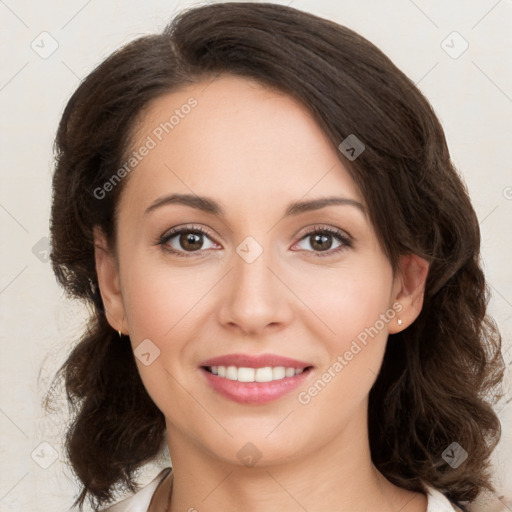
x=472, y=94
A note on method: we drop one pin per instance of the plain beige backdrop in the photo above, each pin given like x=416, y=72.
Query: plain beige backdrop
x=458, y=52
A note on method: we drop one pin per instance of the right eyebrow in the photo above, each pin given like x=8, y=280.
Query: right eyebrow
x=200, y=203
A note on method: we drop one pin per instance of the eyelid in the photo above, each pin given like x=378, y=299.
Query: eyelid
x=313, y=228
x=171, y=233
x=345, y=239
x=186, y=227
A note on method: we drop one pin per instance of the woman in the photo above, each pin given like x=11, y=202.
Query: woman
x=284, y=272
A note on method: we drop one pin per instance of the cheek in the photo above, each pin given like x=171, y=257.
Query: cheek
x=159, y=299
x=164, y=309
x=346, y=301
x=353, y=308
x=161, y=306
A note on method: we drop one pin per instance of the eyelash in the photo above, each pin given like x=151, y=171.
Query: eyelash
x=344, y=239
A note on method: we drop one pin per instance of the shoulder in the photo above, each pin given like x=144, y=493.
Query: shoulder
x=438, y=502
x=139, y=502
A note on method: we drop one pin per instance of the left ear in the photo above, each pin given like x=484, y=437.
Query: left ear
x=409, y=289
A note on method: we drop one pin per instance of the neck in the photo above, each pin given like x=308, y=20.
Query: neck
x=338, y=476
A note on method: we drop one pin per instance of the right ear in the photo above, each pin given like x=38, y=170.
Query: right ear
x=107, y=271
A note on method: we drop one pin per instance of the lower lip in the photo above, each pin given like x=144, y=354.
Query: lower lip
x=254, y=392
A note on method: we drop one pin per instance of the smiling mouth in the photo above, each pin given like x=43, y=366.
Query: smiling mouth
x=263, y=374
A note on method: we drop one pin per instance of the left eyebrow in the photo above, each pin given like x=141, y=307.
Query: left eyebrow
x=210, y=206
x=299, y=207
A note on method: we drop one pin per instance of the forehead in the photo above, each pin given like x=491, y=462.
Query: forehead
x=234, y=138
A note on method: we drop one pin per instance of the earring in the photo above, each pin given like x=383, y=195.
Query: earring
x=120, y=333
x=399, y=321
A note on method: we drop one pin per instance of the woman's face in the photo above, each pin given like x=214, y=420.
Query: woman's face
x=249, y=165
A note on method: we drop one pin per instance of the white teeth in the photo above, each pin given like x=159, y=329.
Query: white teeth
x=265, y=374
x=279, y=372
x=246, y=374
x=290, y=372
x=231, y=373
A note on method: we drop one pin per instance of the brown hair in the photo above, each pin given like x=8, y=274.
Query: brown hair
x=437, y=376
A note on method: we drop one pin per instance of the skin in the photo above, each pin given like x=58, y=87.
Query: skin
x=254, y=150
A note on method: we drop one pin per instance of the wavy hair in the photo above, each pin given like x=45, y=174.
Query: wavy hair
x=438, y=377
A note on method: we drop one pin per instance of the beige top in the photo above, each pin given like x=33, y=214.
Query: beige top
x=141, y=501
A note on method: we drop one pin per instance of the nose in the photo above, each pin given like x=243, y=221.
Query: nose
x=255, y=298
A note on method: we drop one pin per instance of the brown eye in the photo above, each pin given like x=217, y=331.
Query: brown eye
x=191, y=241
x=320, y=240
x=186, y=240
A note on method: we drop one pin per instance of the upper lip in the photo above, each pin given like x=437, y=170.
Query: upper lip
x=259, y=361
